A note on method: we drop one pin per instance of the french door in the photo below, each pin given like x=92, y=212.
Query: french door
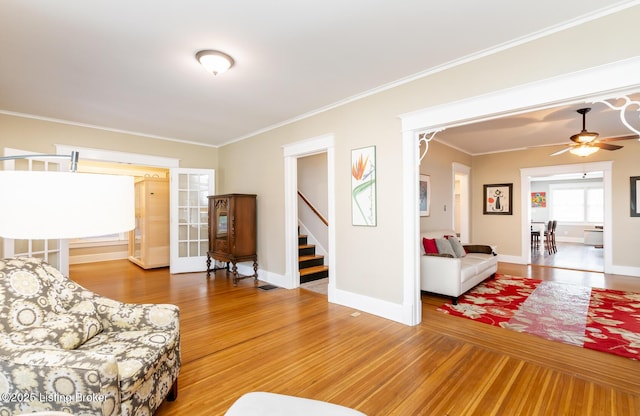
x=189, y=189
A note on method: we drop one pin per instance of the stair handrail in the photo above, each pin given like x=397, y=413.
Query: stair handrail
x=315, y=211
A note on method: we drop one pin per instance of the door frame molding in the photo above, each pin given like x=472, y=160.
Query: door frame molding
x=291, y=152
x=119, y=157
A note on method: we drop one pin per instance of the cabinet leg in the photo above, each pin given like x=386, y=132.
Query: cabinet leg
x=255, y=272
x=208, y=266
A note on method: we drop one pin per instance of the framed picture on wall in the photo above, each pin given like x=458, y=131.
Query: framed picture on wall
x=425, y=195
x=538, y=199
x=635, y=196
x=363, y=186
x=498, y=199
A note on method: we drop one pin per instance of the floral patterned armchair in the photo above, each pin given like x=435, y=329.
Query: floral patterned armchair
x=65, y=348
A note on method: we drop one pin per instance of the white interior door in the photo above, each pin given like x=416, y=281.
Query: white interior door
x=190, y=218
x=54, y=252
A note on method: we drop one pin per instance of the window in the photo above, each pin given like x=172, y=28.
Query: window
x=595, y=205
x=577, y=202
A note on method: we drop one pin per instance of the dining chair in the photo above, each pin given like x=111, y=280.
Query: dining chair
x=548, y=241
x=535, y=238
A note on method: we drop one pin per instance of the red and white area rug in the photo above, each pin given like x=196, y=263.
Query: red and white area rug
x=599, y=319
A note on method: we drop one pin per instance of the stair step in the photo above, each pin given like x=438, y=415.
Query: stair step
x=310, y=261
x=310, y=264
x=314, y=269
x=313, y=273
x=306, y=250
x=310, y=256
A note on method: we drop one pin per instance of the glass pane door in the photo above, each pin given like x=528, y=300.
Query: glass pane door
x=189, y=218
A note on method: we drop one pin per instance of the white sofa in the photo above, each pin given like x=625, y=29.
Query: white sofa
x=452, y=276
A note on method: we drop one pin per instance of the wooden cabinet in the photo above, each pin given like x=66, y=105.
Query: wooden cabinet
x=233, y=232
x=149, y=240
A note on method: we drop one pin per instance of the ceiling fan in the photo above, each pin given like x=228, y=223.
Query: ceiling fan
x=586, y=143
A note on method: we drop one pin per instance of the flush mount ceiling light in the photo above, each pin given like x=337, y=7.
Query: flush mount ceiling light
x=215, y=62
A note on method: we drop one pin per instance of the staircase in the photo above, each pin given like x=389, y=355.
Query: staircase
x=310, y=264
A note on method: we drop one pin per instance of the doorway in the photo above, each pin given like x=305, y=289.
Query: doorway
x=313, y=257
x=321, y=144
x=526, y=176
x=115, y=246
x=461, y=201
x=189, y=187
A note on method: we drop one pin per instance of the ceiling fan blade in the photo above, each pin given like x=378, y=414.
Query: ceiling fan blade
x=559, y=152
x=615, y=139
x=607, y=146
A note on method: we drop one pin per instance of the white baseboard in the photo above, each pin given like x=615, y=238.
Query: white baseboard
x=264, y=275
x=381, y=308
x=569, y=239
x=92, y=258
x=626, y=270
x=511, y=259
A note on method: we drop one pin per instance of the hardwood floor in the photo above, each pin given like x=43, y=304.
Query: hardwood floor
x=570, y=256
x=241, y=339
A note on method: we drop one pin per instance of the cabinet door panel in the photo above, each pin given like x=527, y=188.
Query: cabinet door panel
x=222, y=245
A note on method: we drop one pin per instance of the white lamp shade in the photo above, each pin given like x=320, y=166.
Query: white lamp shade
x=57, y=205
x=583, y=150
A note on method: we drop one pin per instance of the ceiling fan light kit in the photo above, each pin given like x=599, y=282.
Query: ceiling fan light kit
x=585, y=143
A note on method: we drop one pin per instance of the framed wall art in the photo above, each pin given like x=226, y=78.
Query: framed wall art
x=538, y=199
x=363, y=186
x=498, y=199
x=635, y=196
x=425, y=195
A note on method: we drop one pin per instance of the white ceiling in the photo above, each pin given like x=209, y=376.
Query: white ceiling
x=546, y=127
x=129, y=65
